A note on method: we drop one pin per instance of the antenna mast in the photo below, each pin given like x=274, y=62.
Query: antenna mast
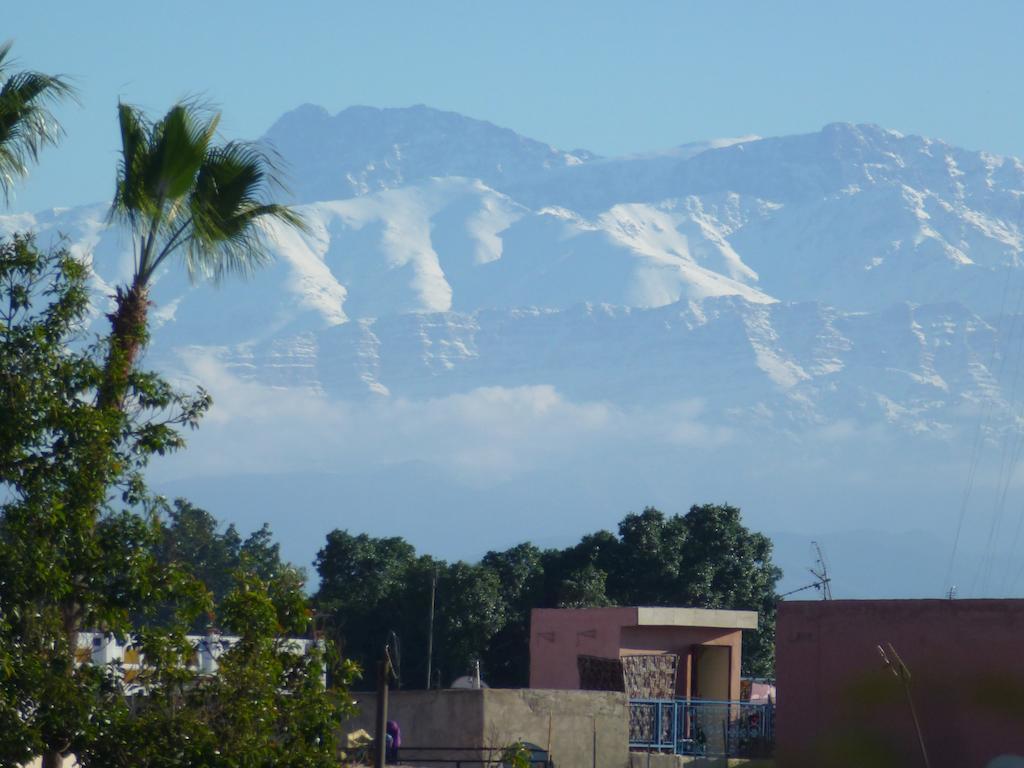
x=822, y=573
x=822, y=580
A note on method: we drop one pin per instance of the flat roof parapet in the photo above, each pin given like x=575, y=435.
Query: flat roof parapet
x=696, y=617
x=665, y=616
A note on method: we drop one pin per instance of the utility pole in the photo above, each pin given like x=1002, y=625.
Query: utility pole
x=430, y=630
x=383, y=672
x=892, y=660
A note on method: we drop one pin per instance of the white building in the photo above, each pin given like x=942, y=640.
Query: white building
x=102, y=649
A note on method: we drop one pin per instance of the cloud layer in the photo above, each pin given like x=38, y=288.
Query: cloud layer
x=485, y=436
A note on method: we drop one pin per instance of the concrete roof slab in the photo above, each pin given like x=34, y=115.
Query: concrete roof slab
x=695, y=617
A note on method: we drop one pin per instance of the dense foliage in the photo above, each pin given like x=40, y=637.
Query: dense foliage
x=83, y=546
x=71, y=552
x=705, y=558
x=266, y=705
x=373, y=587
x=190, y=538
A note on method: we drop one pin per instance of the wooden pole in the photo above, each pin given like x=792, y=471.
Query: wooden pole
x=430, y=630
x=917, y=724
x=382, y=714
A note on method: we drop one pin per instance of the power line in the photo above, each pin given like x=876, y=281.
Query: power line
x=976, y=447
x=1009, y=456
x=978, y=443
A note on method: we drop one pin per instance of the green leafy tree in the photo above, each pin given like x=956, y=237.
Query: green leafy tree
x=520, y=573
x=189, y=538
x=72, y=551
x=363, y=581
x=586, y=587
x=26, y=123
x=651, y=551
x=706, y=558
x=65, y=566
x=726, y=565
x=359, y=572
x=262, y=554
x=576, y=577
x=407, y=613
x=79, y=535
x=371, y=587
x=469, y=613
x=267, y=704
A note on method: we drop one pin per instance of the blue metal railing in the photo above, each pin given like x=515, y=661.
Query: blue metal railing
x=701, y=727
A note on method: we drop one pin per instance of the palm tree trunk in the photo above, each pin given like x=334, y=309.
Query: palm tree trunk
x=127, y=338
x=128, y=335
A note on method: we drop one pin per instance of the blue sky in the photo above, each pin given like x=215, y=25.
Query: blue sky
x=610, y=77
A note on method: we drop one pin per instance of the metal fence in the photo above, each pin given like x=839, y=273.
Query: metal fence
x=475, y=757
x=698, y=727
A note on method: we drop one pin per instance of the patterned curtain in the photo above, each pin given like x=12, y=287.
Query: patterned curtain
x=650, y=676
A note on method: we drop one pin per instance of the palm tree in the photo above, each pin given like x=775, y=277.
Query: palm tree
x=180, y=193
x=26, y=124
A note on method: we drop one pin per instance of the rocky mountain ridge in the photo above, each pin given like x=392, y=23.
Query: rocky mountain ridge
x=852, y=285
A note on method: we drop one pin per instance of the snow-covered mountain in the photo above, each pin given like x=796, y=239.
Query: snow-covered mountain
x=363, y=150
x=851, y=285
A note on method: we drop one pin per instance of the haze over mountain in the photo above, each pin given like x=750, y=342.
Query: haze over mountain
x=483, y=339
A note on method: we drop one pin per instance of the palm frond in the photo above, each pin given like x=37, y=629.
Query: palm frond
x=158, y=168
x=5, y=50
x=178, y=191
x=229, y=211
x=179, y=145
x=130, y=199
x=240, y=248
x=26, y=123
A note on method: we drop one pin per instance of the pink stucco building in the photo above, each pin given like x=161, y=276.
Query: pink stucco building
x=840, y=703
x=708, y=643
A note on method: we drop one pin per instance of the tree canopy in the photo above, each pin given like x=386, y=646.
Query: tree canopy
x=706, y=558
x=371, y=587
x=189, y=537
x=85, y=546
x=73, y=551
